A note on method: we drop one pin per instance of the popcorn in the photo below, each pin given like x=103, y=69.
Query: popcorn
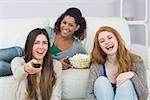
x=80, y=60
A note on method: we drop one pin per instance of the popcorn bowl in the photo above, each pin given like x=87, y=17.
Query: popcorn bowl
x=80, y=61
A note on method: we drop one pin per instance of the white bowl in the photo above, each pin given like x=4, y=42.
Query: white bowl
x=80, y=60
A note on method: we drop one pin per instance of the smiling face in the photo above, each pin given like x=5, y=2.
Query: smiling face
x=108, y=42
x=68, y=27
x=40, y=47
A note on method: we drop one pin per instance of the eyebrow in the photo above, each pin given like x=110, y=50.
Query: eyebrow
x=69, y=23
x=101, y=39
x=40, y=41
x=109, y=35
x=106, y=36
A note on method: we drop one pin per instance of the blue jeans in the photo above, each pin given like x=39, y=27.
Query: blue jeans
x=103, y=90
x=6, y=55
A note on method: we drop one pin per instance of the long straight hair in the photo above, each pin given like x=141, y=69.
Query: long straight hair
x=123, y=55
x=47, y=77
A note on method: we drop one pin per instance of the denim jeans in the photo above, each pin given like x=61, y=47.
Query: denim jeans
x=103, y=90
x=6, y=55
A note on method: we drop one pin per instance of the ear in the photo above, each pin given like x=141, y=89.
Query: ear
x=78, y=26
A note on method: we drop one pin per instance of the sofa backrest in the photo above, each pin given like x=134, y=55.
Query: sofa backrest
x=13, y=32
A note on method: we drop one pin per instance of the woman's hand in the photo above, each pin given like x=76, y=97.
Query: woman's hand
x=28, y=67
x=122, y=77
x=64, y=65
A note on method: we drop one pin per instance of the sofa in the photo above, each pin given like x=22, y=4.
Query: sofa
x=13, y=32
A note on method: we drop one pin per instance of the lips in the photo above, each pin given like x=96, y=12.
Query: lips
x=109, y=47
x=65, y=31
x=40, y=52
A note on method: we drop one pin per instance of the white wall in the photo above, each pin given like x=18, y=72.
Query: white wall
x=52, y=8
x=49, y=8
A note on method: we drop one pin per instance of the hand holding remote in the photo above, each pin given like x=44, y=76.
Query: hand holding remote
x=67, y=61
x=32, y=67
x=36, y=65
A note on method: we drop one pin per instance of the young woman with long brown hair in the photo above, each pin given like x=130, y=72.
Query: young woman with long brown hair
x=44, y=82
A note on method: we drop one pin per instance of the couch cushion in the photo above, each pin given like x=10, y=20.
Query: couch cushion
x=7, y=88
x=52, y=21
x=74, y=83
x=16, y=30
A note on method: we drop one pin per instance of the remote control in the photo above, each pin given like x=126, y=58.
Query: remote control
x=67, y=61
x=36, y=65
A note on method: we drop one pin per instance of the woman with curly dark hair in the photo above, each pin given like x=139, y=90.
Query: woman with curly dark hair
x=66, y=37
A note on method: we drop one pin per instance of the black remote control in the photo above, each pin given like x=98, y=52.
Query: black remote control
x=36, y=65
x=67, y=61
